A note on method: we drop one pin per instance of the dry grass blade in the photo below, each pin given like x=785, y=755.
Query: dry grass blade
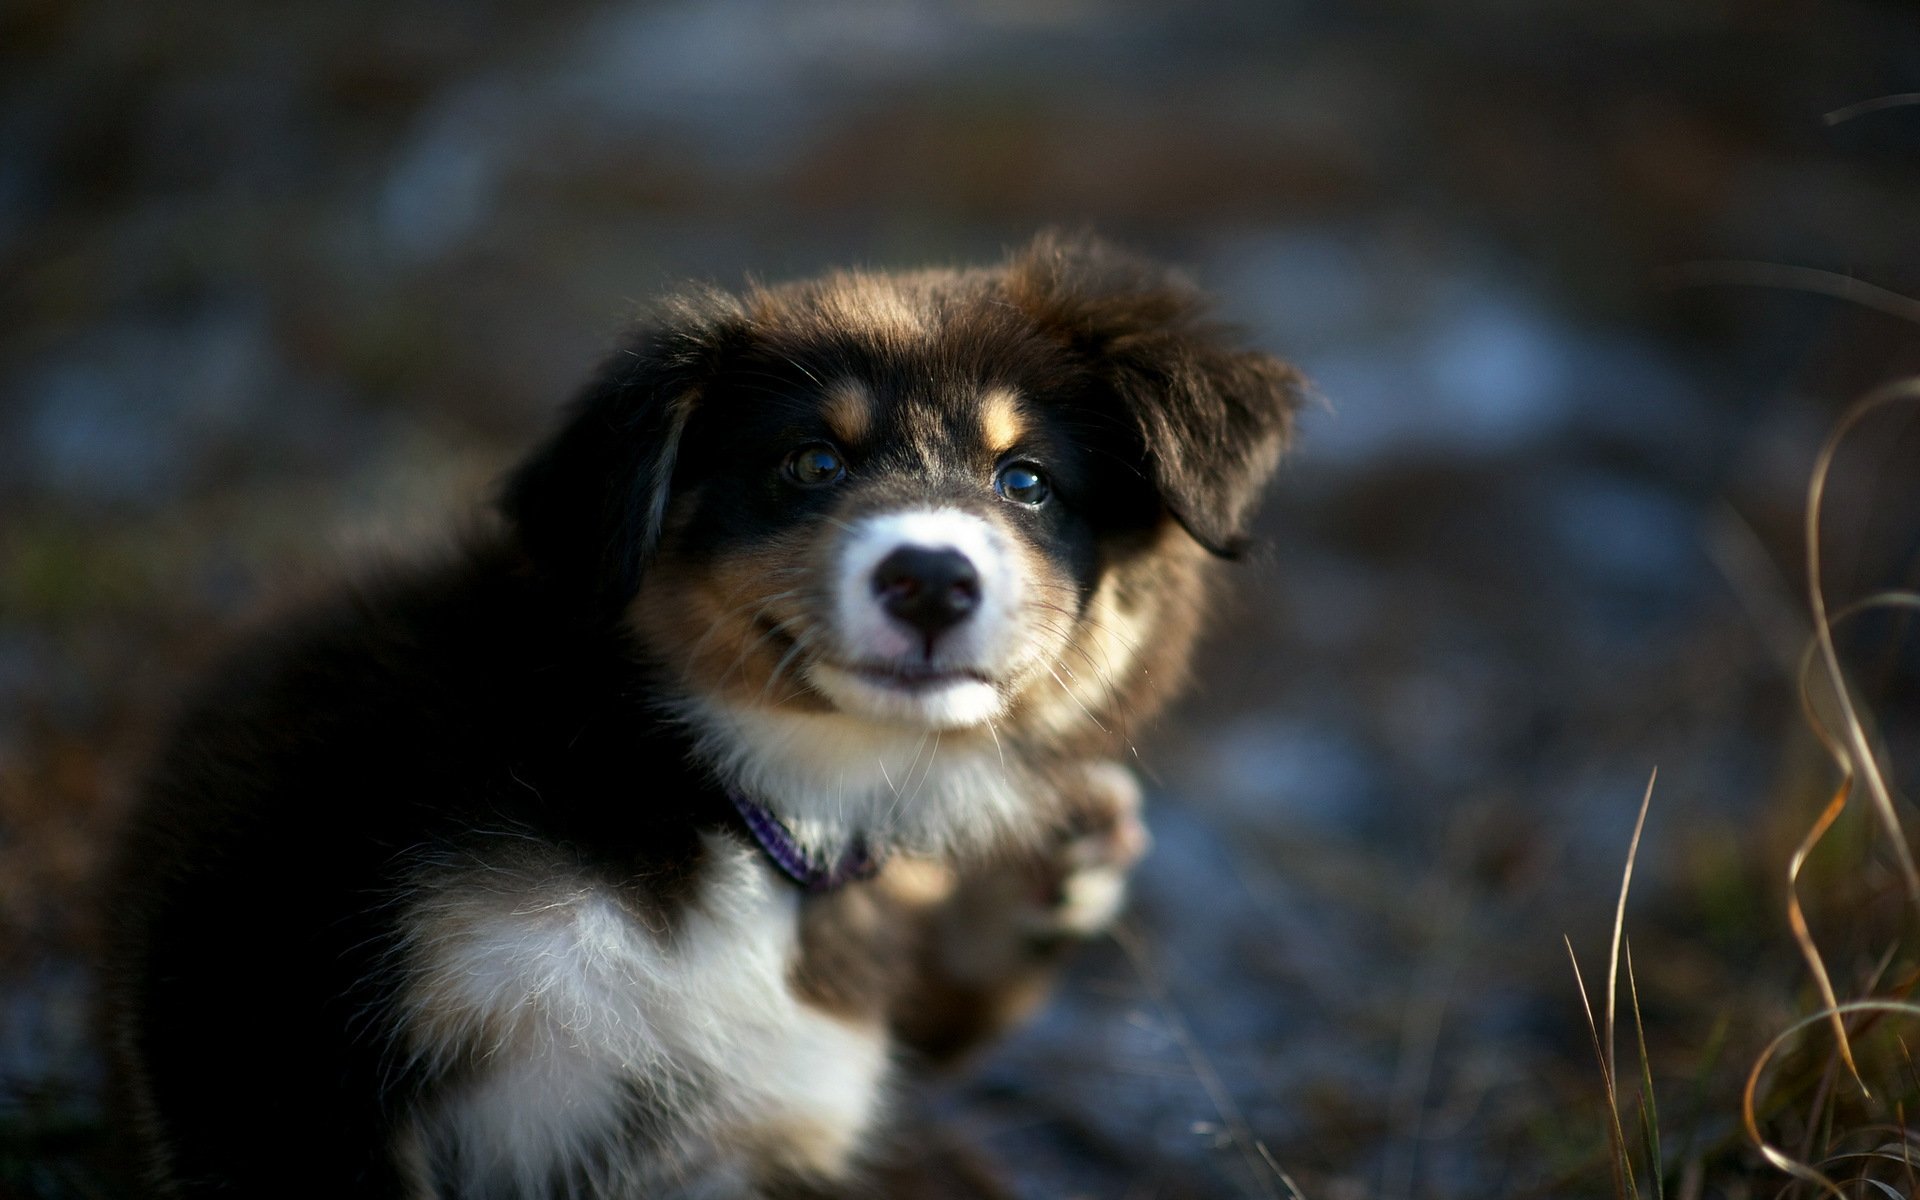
x=1620, y=918
x=1850, y=749
x=1846, y=741
x=1860, y=762
x=1778, y=1158
x=1797, y=923
x=1879, y=1154
x=1876, y=602
x=1796, y=917
x=1266, y=1156
x=1799, y=279
x=1623, y=1181
x=1649, y=1110
x=1906, y=1138
x=1906, y=1143
x=1877, y=104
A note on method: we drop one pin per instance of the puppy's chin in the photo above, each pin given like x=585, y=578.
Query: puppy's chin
x=955, y=701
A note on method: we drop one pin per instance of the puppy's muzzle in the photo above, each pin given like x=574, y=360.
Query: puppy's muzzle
x=929, y=589
x=925, y=618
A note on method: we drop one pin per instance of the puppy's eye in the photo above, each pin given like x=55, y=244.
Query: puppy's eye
x=1022, y=483
x=815, y=464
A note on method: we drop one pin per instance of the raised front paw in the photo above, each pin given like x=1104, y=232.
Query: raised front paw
x=994, y=935
x=1081, y=878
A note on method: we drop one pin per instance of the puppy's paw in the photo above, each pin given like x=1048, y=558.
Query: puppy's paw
x=994, y=935
x=1081, y=880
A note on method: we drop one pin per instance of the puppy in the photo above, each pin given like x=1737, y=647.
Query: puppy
x=764, y=750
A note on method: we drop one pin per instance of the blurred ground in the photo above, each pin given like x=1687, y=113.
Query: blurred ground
x=281, y=282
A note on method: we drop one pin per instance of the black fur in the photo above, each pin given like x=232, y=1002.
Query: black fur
x=445, y=714
x=582, y=505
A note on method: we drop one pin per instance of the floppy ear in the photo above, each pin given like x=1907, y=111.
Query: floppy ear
x=1211, y=417
x=587, y=506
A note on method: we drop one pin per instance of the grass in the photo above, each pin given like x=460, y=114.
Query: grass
x=1626, y=1174
x=1829, y=1159
x=1817, y=1121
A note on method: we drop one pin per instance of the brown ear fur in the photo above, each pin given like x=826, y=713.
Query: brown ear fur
x=1212, y=418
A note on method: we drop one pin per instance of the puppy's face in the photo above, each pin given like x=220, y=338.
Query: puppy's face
x=908, y=543
x=848, y=516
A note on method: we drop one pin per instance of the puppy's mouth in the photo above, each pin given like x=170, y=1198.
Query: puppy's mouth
x=905, y=680
x=909, y=693
x=915, y=677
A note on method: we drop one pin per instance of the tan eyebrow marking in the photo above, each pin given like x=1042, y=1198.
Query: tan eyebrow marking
x=1001, y=420
x=848, y=409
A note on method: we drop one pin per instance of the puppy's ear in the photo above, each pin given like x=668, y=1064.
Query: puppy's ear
x=1211, y=418
x=587, y=506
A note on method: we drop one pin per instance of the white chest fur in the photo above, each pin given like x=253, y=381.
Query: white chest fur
x=927, y=791
x=614, y=1056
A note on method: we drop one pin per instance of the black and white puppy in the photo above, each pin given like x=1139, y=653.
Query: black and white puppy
x=765, y=748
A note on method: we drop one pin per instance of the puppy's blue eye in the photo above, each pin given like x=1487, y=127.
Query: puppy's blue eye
x=815, y=465
x=1022, y=483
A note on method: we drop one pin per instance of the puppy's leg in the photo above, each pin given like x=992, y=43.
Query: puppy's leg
x=990, y=939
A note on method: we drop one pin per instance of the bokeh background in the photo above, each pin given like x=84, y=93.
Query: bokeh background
x=284, y=282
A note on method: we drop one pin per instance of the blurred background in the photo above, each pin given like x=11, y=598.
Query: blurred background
x=1580, y=285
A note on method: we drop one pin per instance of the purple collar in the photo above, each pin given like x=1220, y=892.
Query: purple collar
x=798, y=865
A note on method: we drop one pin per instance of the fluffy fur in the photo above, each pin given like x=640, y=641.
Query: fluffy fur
x=442, y=889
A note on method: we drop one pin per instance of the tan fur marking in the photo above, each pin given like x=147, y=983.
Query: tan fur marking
x=815, y=1150
x=716, y=626
x=917, y=882
x=853, y=951
x=976, y=973
x=1002, y=420
x=848, y=409
x=1121, y=662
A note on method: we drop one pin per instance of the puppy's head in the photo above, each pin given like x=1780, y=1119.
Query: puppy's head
x=977, y=504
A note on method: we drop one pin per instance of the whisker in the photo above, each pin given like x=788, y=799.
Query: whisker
x=905, y=777
x=1115, y=699
x=1077, y=700
x=795, y=363
x=928, y=772
x=779, y=628
x=800, y=644
x=1107, y=674
x=720, y=621
x=1102, y=672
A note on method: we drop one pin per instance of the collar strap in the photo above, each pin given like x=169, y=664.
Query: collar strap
x=804, y=868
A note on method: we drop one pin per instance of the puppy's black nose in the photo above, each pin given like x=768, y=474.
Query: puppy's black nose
x=931, y=590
